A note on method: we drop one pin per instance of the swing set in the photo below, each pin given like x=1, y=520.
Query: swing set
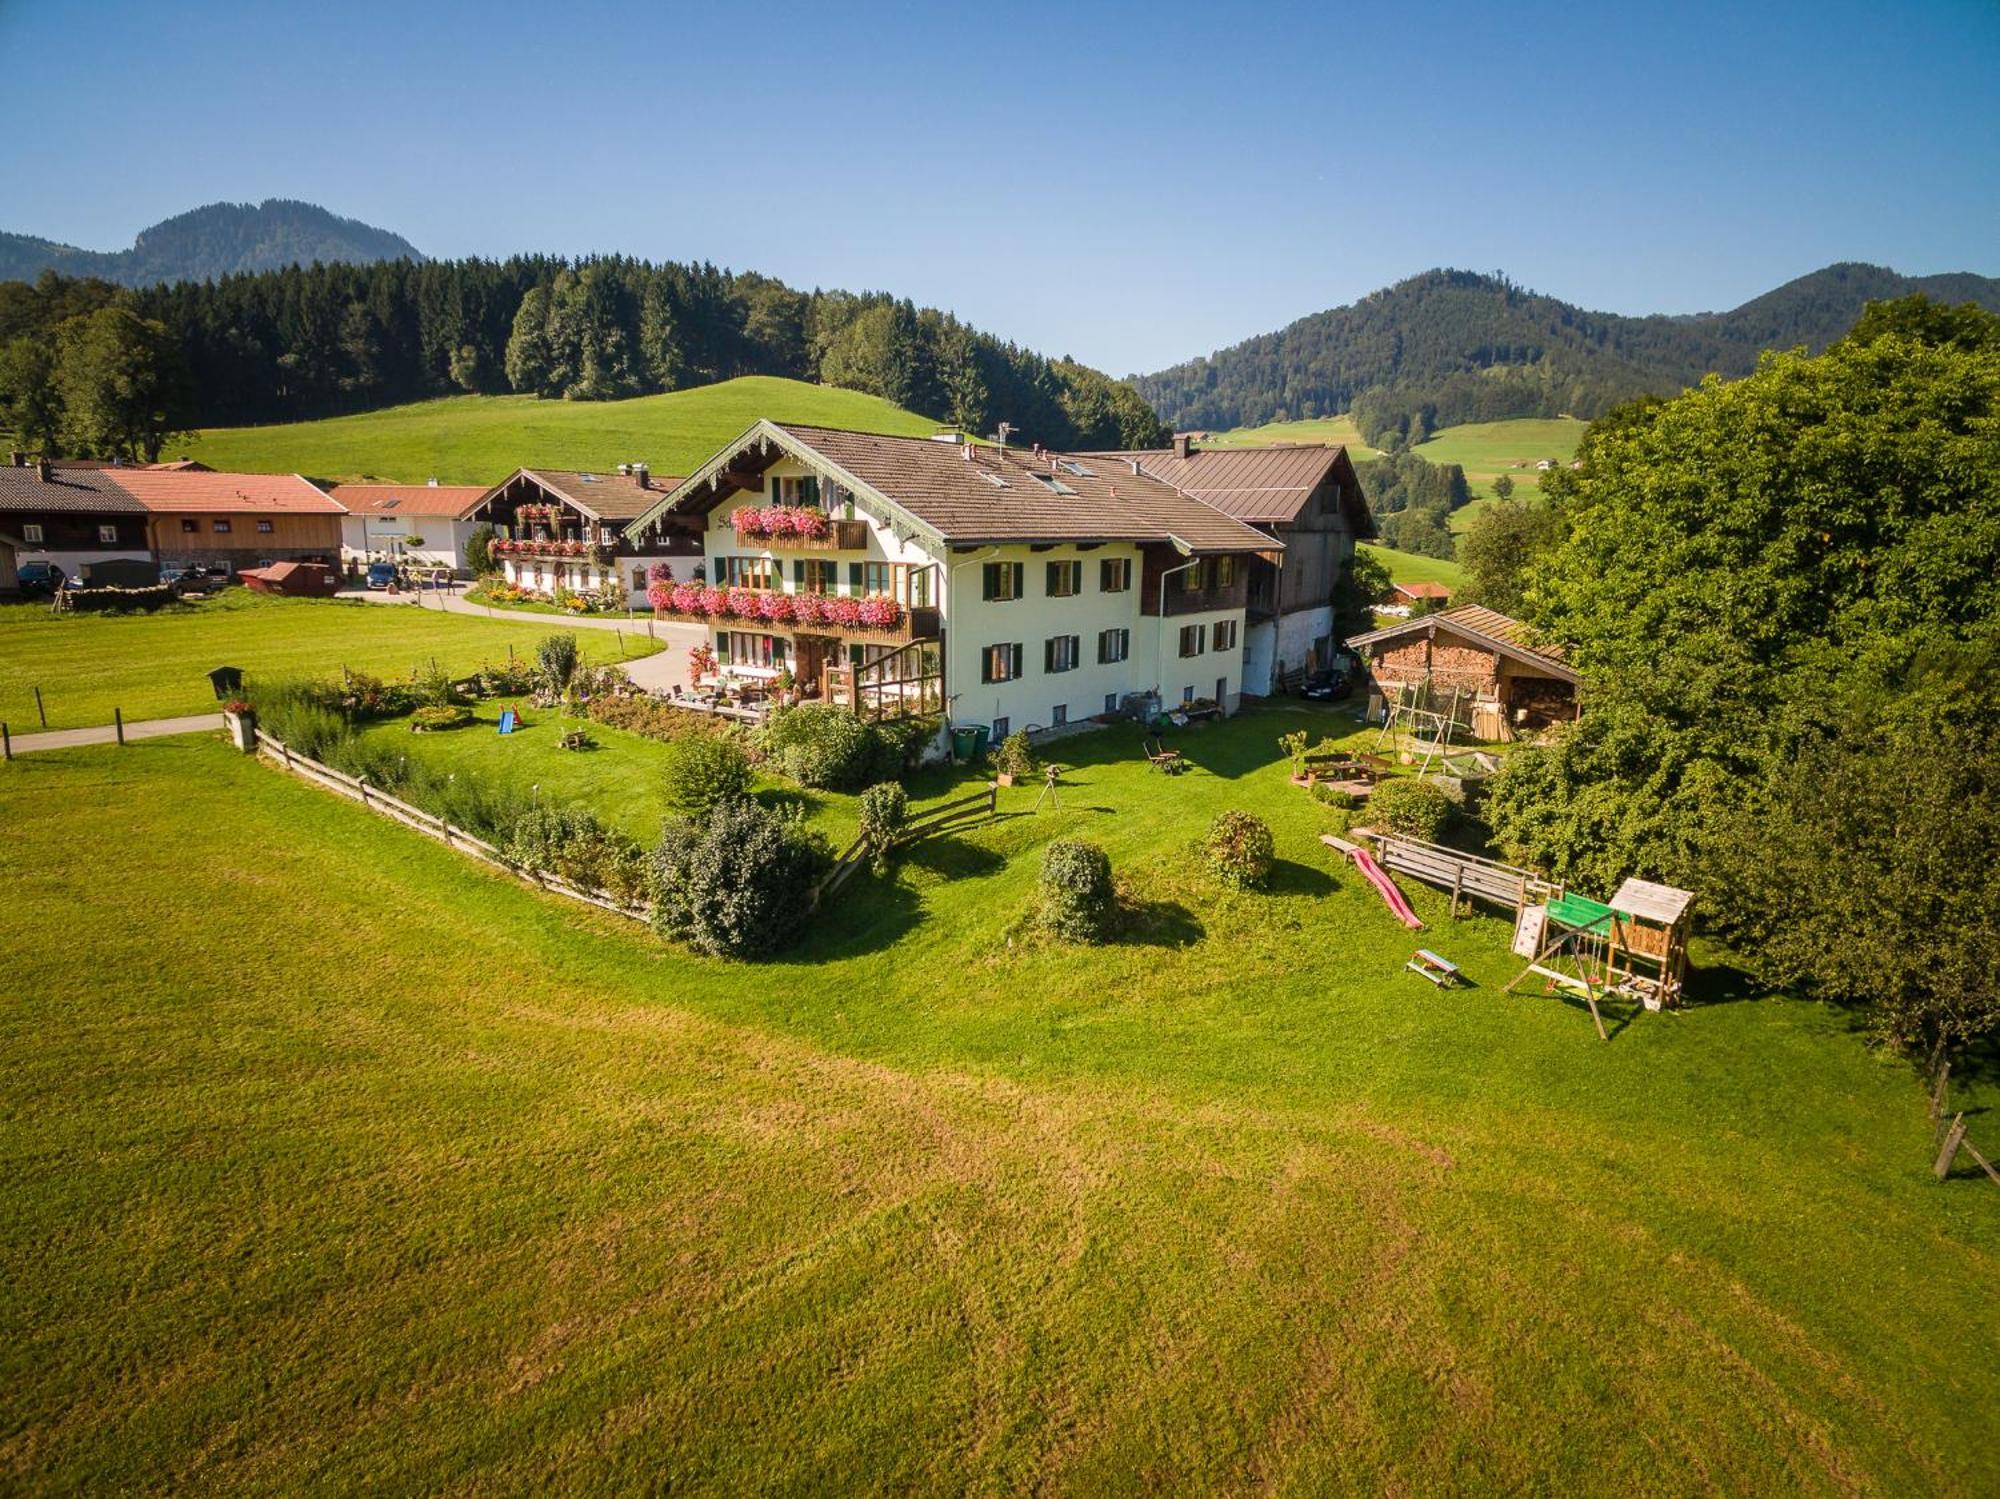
x=1634, y=946
x=1426, y=714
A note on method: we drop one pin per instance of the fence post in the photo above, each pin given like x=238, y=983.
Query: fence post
x=41, y=712
x=118, y=723
x=1938, y=1092
x=362, y=782
x=1953, y=1138
x=6, y=743
x=992, y=798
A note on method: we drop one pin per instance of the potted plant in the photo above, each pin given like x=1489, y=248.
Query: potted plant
x=1013, y=762
x=239, y=716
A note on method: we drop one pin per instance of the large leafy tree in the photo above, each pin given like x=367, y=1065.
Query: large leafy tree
x=1730, y=562
x=121, y=384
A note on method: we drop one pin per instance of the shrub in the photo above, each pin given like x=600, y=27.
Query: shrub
x=555, y=661
x=702, y=772
x=819, y=744
x=736, y=883
x=884, y=810
x=479, y=550
x=432, y=685
x=509, y=678
x=1076, y=894
x=1239, y=850
x=901, y=743
x=1013, y=757
x=1333, y=796
x=572, y=844
x=440, y=716
x=637, y=713
x=1294, y=746
x=1414, y=808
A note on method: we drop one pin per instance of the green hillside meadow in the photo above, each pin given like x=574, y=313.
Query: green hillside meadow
x=482, y=439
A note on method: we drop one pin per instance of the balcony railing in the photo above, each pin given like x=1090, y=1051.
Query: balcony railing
x=798, y=528
x=547, y=548
x=875, y=617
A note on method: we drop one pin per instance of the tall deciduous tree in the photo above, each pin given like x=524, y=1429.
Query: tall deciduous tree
x=122, y=385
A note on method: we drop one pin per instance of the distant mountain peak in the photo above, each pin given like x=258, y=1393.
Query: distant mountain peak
x=218, y=239
x=1449, y=346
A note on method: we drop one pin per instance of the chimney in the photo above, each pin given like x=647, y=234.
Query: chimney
x=1183, y=444
x=966, y=452
x=43, y=471
x=18, y=458
x=624, y=470
x=431, y=483
x=1135, y=466
x=643, y=474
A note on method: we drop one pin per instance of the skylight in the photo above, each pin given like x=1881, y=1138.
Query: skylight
x=1054, y=483
x=994, y=479
x=1073, y=468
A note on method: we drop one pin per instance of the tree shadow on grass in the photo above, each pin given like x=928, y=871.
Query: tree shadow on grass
x=1718, y=981
x=1155, y=923
x=1289, y=877
x=954, y=858
x=865, y=915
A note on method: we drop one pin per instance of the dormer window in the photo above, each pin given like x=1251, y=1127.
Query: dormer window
x=802, y=490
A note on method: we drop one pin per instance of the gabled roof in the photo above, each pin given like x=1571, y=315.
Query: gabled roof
x=454, y=500
x=598, y=494
x=1267, y=485
x=1424, y=590
x=1486, y=627
x=969, y=495
x=163, y=490
x=74, y=490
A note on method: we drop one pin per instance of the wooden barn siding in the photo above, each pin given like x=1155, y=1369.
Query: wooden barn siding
x=291, y=537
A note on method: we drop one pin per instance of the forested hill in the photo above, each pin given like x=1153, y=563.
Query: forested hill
x=1453, y=346
x=89, y=369
x=219, y=240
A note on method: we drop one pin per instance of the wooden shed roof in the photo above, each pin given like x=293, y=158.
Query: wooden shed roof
x=1483, y=627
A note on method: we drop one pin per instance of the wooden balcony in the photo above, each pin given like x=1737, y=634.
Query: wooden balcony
x=842, y=536
x=916, y=624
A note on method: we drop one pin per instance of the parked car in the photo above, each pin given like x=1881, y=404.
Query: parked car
x=195, y=581
x=40, y=577
x=381, y=575
x=1327, y=686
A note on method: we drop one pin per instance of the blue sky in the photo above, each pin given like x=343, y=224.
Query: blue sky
x=1129, y=183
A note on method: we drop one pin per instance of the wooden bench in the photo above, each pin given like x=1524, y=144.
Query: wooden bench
x=576, y=739
x=1426, y=964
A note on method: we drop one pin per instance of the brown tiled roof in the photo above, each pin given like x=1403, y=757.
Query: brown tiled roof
x=1481, y=626
x=957, y=496
x=1270, y=485
x=1425, y=590
x=199, y=489
x=454, y=500
x=79, y=490
x=607, y=496
x=192, y=465
x=994, y=495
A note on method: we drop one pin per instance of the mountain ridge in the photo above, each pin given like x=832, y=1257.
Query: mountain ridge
x=217, y=239
x=1449, y=346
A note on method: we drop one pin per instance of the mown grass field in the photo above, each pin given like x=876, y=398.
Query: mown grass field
x=1410, y=567
x=343, y=1163
x=154, y=666
x=482, y=439
x=1329, y=429
x=1486, y=450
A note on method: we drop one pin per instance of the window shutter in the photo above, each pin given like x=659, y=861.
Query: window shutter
x=1020, y=581
x=1016, y=662
x=1049, y=654
x=799, y=571
x=986, y=664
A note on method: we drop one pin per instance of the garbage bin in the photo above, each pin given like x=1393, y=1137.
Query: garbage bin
x=965, y=738
x=982, y=736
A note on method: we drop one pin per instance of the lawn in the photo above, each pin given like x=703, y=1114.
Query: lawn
x=482, y=439
x=1339, y=430
x=1410, y=567
x=155, y=666
x=342, y=1162
x=1486, y=450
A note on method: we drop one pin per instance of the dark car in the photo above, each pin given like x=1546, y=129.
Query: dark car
x=40, y=577
x=381, y=575
x=1327, y=686
x=196, y=581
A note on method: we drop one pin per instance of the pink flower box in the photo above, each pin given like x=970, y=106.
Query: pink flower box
x=878, y=612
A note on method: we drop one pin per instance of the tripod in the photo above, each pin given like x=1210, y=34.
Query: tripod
x=1051, y=779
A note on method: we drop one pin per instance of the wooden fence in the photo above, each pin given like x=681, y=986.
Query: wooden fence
x=939, y=819
x=433, y=826
x=1949, y=1136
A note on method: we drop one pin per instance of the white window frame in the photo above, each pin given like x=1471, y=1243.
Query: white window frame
x=106, y=535
x=1056, y=647
x=32, y=534
x=1119, y=635
x=1121, y=568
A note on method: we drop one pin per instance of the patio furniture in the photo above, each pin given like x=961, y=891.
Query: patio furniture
x=1166, y=761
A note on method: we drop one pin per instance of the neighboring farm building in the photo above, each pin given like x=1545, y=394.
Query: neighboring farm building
x=571, y=529
x=1478, y=657
x=1420, y=593
x=74, y=518
x=242, y=520
x=426, y=525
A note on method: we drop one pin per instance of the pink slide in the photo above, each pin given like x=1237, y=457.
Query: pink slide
x=1387, y=888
